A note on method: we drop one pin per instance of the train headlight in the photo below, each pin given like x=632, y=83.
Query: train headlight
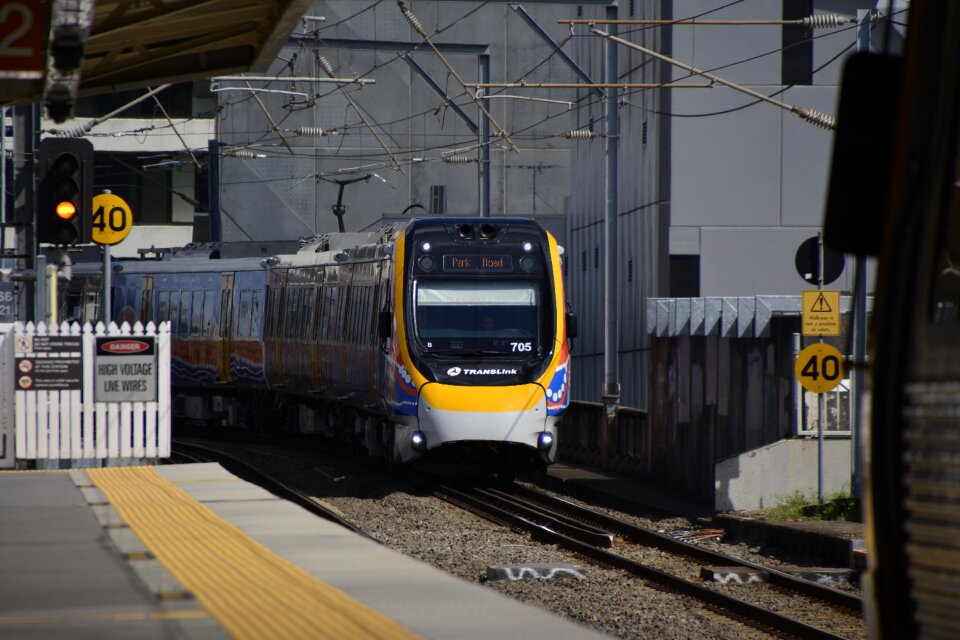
x=545, y=441
x=427, y=263
x=528, y=247
x=488, y=231
x=425, y=247
x=418, y=441
x=528, y=264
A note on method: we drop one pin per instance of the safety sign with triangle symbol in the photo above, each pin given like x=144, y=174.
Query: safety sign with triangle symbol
x=821, y=313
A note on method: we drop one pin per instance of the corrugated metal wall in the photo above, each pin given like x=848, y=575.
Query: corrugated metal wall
x=643, y=214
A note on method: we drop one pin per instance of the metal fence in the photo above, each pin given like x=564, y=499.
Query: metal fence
x=63, y=409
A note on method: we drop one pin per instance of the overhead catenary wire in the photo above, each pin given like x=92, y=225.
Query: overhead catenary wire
x=581, y=104
x=814, y=117
x=328, y=69
x=273, y=123
x=179, y=137
x=76, y=132
x=418, y=27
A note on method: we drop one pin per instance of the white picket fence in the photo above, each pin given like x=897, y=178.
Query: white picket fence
x=68, y=424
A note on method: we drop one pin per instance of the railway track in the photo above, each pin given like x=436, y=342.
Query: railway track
x=593, y=534
x=606, y=540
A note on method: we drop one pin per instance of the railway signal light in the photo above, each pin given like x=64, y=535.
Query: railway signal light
x=64, y=191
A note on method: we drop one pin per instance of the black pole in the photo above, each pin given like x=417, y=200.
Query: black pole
x=213, y=190
x=338, y=209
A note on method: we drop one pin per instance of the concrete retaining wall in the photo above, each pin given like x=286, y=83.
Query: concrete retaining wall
x=760, y=478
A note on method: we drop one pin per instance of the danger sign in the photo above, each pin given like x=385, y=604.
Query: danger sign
x=125, y=369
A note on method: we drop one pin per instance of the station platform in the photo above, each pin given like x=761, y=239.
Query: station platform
x=191, y=551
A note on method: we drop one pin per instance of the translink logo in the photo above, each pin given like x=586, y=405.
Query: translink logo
x=455, y=371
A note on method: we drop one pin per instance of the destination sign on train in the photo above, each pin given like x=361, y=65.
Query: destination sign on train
x=477, y=263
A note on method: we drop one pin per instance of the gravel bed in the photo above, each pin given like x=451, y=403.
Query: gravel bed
x=677, y=526
x=464, y=545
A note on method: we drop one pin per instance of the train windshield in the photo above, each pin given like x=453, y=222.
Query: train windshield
x=478, y=317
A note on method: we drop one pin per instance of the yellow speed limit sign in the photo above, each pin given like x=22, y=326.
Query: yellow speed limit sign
x=112, y=219
x=819, y=367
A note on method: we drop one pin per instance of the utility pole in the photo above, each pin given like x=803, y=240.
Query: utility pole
x=859, y=328
x=611, y=309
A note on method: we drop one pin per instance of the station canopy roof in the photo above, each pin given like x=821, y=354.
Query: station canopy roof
x=140, y=43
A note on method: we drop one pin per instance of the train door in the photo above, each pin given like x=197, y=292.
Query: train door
x=225, y=327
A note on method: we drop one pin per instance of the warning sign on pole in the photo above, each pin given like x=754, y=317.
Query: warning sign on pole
x=126, y=369
x=821, y=313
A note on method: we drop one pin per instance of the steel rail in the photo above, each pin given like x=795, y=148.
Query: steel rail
x=747, y=611
x=641, y=535
x=514, y=514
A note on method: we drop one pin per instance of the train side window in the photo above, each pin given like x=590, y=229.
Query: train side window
x=163, y=306
x=255, y=315
x=268, y=320
x=174, y=316
x=333, y=312
x=208, y=312
x=185, y=313
x=318, y=305
x=226, y=312
x=367, y=336
x=146, y=310
x=243, y=321
x=287, y=313
x=196, y=324
x=299, y=322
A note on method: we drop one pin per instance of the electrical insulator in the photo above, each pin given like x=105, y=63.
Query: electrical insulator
x=458, y=159
x=826, y=21
x=821, y=120
x=580, y=134
x=241, y=153
x=313, y=131
x=326, y=66
x=411, y=18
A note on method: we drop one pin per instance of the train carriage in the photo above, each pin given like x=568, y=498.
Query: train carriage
x=441, y=340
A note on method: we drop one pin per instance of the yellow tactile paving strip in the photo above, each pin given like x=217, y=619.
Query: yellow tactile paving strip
x=252, y=592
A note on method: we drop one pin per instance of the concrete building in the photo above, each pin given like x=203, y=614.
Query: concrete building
x=716, y=189
x=288, y=145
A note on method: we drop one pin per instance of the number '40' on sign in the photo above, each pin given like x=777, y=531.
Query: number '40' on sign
x=112, y=219
x=819, y=368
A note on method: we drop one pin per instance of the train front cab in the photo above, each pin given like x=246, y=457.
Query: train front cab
x=481, y=360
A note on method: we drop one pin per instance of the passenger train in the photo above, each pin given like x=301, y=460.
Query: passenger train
x=440, y=341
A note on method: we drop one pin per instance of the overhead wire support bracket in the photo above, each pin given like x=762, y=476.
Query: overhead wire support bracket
x=328, y=69
x=331, y=80
x=520, y=11
x=814, y=117
x=273, y=123
x=174, y=127
x=447, y=100
x=820, y=21
x=418, y=27
x=593, y=85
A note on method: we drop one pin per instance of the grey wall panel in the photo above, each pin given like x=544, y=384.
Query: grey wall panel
x=806, y=149
x=716, y=47
x=726, y=168
x=729, y=259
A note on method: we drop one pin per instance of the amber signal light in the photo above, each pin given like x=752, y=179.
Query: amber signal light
x=66, y=210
